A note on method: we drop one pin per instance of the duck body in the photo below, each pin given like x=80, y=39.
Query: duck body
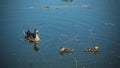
x=91, y=50
x=66, y=50
x=32, y=37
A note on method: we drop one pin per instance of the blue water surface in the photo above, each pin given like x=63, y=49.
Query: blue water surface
x=76, y=24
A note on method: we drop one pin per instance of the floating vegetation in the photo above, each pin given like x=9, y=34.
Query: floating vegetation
x=63, y=35
x=67, y=0
x=109, y=24
x=65, y=6
x=75, y=38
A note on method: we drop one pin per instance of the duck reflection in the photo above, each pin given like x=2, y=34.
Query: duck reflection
x=36, y=47
x=95, y=52
x=67, y=0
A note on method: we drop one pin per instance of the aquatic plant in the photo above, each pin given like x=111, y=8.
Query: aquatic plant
x=67, y=0
x=76, y=65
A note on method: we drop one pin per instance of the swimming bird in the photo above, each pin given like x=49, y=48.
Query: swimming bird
x=93, y=49
x=32, y=37
x=66, y=50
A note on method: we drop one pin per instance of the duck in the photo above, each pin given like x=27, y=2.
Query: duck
x=65, y=50
x=93, y=49
x=32, y=37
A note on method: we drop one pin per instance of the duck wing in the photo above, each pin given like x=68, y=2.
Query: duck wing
x=33, y=35
x=29, y=34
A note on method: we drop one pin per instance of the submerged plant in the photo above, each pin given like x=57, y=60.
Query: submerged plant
x=76, y=65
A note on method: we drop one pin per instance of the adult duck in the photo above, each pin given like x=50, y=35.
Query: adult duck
x=32, y=37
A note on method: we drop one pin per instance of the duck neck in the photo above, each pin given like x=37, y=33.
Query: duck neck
x=37, y=37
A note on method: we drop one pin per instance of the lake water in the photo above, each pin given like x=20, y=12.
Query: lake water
x=76, y=24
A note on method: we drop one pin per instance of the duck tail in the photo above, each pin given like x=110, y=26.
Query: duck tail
x=72, y=50
x=25, y=33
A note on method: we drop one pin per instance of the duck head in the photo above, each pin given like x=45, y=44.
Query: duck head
x=96, y=47
x=36, y=31
x=62, y=49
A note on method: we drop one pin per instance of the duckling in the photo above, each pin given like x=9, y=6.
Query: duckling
x=93, y=49
x=32, y=37
x=66, y=50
